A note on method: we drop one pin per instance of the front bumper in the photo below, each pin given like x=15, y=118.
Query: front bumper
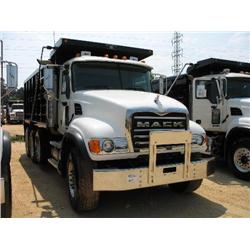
x=127, y=179
x=2, y=191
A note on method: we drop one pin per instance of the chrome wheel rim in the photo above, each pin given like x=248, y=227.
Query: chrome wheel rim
x=71, y=178
x=242, y=159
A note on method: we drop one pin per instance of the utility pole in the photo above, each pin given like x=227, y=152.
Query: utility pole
x=1, y=80
x=1, y=59
x=177, y=52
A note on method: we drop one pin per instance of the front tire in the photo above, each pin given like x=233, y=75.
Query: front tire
x=80, y=182
x=239, y=159
x=185, y=187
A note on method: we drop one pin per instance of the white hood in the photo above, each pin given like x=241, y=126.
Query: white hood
x=111, y=107
x=242, y=103
x=111, y=100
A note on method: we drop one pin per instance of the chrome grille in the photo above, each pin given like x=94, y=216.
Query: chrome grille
x=19, y=115
x=143, y=123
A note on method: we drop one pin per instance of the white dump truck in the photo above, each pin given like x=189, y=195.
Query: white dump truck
x=217, y=94
x=89, y=111
x=14, y=111
x=5, y=152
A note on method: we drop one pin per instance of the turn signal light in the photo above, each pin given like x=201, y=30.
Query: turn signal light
x=94, y=146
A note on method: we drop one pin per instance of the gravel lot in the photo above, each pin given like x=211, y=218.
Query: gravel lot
x=42, y=193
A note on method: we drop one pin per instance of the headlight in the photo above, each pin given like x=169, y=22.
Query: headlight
x=198, y=139
x=108, y=146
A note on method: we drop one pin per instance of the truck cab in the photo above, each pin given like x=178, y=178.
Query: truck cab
x=93, y=116
x=217, y=94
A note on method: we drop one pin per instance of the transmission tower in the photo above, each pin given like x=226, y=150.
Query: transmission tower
x=177, y=52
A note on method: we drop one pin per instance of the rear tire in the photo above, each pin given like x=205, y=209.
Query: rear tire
x=80, y=182
x=238, y=159
x=42, y=146
x=32, y=145
x=27, y=146
x=186, y=187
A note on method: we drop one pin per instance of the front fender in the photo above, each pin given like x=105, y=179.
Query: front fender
x=94, y=128
x=239, y=122
x=81, y=130
x=6, y=153
x=196, y=129
x=71, y=138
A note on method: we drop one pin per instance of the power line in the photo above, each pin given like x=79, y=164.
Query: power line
x=177, y=52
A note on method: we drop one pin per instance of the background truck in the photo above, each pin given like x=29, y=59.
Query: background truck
x=14, y=111
x=89, y=111
x=217, y=94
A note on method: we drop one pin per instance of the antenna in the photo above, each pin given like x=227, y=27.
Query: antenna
x=177, y=52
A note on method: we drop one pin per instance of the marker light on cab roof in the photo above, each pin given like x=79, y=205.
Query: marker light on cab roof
x=85, y=53
x=133, y=58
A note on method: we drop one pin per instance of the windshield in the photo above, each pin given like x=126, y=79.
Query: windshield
x=94, y=75
x=17, y=106
x=238, y=87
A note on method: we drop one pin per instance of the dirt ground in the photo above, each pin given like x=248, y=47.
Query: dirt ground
x=41, y=192
x=14, y=129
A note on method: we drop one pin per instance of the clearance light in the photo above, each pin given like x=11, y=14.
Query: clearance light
x=85, y=53
x=106, y=55
x=124, y=58
x=94, y=146
x=133, y=58
x=115, y=56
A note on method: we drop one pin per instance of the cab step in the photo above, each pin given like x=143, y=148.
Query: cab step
x=54, y=163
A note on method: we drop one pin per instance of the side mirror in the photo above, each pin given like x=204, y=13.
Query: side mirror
x=12, y=76
x=161, y=86
x=218, y=99
x=213, y=92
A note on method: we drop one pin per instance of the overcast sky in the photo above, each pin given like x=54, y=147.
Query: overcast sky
x=25, y=47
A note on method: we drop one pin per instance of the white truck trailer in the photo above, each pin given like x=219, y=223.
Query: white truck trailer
x=89, y=111
x=217, y=94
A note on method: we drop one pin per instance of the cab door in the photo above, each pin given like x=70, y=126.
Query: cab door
x=64, y=102
x=207, y=103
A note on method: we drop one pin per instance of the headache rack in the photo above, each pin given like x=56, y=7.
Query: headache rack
x=65, y=49
x=216, y=66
